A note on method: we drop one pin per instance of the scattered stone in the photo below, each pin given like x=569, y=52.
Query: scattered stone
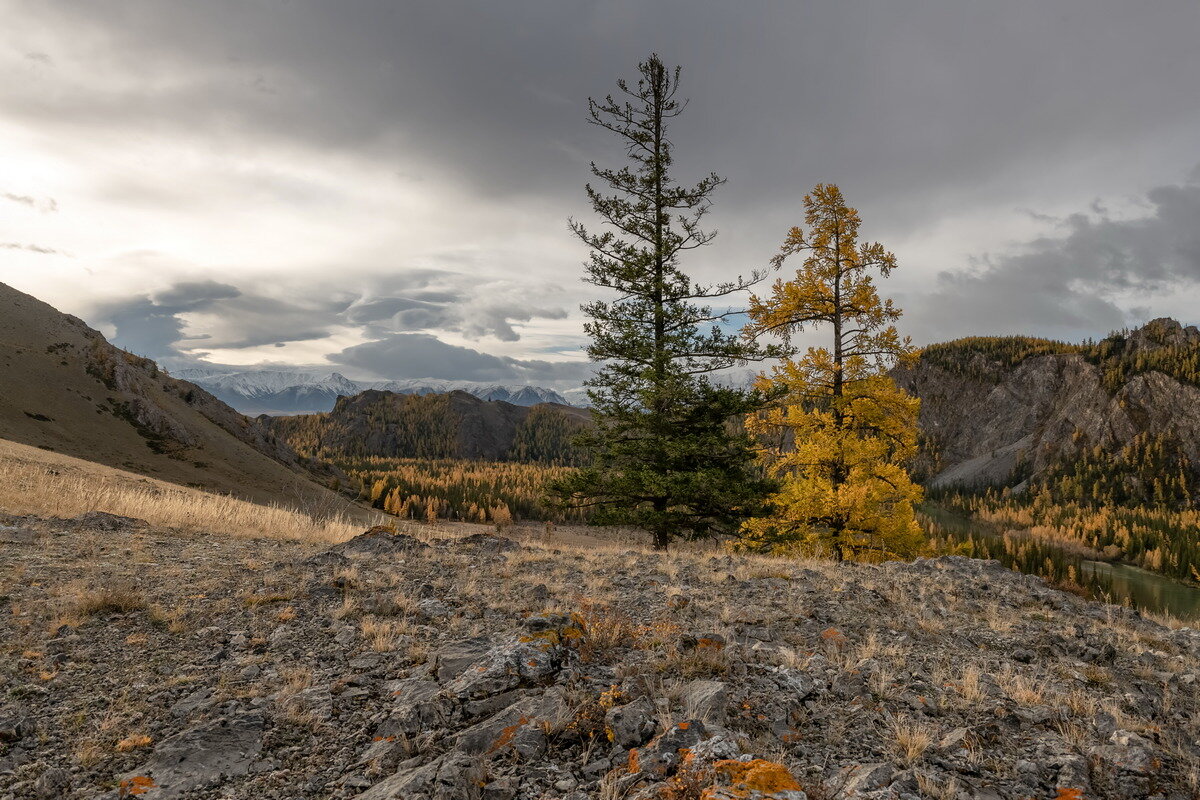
x=103, y=521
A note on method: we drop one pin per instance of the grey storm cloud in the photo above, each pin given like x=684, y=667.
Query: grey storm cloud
x=920, y=111
x=419, y=355
x=151, y=326
x=895, y=99
x=1070, y=281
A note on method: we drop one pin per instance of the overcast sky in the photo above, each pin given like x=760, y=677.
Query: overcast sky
x=382, y=188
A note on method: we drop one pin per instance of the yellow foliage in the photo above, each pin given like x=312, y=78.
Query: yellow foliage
x=840, y=434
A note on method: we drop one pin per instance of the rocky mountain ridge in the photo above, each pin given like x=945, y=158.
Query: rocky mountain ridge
x=1002, y=411
x=306, y=392
x=454, y=425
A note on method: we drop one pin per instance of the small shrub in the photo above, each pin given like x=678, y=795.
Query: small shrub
x=605, y=631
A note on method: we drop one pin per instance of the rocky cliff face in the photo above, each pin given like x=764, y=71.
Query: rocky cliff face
x=989, y=422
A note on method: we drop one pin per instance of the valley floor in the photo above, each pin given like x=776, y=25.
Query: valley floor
x=142, y=660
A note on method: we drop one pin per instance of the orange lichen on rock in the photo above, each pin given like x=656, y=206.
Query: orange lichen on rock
x=507, y=734
x=759, y=775
x=833, y=635
x=138, y=784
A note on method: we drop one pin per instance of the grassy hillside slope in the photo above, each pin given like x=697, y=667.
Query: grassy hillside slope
x=63, y=388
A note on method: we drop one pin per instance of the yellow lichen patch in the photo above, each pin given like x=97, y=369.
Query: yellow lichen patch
x=748, y=777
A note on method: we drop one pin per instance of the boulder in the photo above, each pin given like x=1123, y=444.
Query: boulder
x=379, y=541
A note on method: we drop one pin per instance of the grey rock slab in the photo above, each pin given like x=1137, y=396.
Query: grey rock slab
x=632, y=724
x=197, y=700
x=505, y=667
x=454, y=776
x=452, y=660
x=417, y=706
x=201, y=757
x=516, y=727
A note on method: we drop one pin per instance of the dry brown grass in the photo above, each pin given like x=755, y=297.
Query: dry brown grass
x=1022, y=689
x=63, y=487
x=910, y=739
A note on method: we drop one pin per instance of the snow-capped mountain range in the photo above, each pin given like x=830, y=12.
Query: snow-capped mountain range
x=286, y=392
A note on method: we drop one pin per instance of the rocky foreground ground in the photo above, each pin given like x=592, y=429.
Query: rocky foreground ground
x=144, y=663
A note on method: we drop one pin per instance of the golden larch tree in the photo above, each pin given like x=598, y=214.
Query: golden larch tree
x=838, y=438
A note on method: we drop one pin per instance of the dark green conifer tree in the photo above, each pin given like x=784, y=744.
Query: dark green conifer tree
x=667, y=454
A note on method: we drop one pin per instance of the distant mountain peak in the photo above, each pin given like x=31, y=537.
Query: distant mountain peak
x=280, y=391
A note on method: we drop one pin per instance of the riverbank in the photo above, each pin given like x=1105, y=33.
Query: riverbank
x=1071, y=567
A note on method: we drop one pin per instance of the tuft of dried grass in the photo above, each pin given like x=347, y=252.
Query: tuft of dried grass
x=118, y=598
x=910, y=739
